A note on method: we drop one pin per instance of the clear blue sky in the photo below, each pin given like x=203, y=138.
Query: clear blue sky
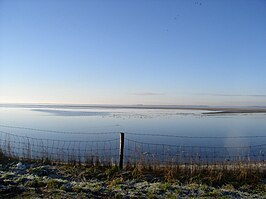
x=131, y=52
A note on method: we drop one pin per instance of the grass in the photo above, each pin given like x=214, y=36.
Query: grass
x=236, y=173
x=226, y=177
x=83, y=181
x=214, y=175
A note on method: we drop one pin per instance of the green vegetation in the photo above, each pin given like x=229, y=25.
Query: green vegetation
x=93, y=177
x=36, y=179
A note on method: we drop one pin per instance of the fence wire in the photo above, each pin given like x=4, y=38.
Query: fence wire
x=107, y=152
x=137, y=152
x=102, y=152
x=57, y=131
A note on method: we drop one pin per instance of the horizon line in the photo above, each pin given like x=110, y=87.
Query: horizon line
x=126, y=105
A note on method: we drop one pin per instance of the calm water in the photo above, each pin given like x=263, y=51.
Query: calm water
x=165, y=122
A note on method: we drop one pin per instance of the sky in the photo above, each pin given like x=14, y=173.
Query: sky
x=133, y=52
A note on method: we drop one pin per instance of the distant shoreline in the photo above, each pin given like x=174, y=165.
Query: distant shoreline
x=212, y=110
x=232, y=110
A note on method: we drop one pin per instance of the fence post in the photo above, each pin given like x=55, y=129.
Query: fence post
x=121, y=155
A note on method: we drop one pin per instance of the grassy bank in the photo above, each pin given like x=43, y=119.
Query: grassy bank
x=27, y=179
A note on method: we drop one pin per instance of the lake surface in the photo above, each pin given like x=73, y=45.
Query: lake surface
x=65, y=133
x=106, y=123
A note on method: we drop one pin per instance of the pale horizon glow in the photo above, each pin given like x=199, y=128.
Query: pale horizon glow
x=138, y=52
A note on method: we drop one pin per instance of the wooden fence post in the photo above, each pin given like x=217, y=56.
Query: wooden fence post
x=121, y=155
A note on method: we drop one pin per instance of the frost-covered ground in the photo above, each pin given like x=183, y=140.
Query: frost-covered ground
x=35, y=180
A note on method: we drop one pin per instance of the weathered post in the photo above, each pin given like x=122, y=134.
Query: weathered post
x=121, y=155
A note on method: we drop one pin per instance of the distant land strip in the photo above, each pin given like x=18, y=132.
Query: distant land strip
x=210, y=109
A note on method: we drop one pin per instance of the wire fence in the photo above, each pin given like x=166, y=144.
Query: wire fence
x=74, y=151
x=165, y=154
x=134, y=152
